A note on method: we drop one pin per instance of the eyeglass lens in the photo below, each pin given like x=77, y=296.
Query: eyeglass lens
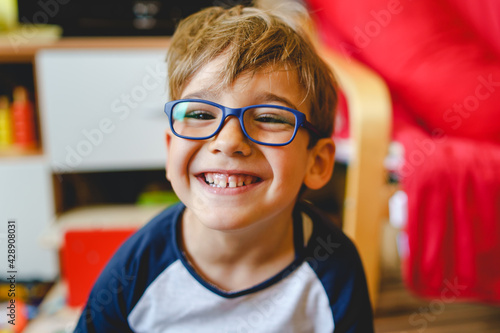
x=263, y=124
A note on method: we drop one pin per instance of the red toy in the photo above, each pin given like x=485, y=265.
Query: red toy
x=84, y=255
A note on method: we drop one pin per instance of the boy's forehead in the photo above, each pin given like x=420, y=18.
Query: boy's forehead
x=211, y=80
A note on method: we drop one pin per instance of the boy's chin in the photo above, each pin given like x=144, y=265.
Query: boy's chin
x=223, y=220
x=225, y=223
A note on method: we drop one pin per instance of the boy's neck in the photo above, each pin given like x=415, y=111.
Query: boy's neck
x=237, y=260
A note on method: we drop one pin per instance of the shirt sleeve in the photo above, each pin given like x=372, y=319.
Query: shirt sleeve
x=352, y=308
x=107, y=306
x=339, y=268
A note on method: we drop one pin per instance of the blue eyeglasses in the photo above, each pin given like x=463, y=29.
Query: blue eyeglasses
x=270, y=125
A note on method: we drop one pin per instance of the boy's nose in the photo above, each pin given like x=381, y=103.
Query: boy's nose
x=231, y=140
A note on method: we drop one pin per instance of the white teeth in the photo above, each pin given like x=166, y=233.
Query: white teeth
x=209, y=178
x=216, y=180
x=224, y=180
x=232, y=181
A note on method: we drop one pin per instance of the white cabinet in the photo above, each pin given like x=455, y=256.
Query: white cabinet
x=102, y=109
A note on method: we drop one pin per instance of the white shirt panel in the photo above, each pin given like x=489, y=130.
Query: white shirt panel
x=176, y=302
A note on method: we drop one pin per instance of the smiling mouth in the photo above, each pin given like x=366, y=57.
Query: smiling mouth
x=225, y=180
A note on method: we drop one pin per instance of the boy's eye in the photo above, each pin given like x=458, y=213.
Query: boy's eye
x=272, y=118
x=194, y=111
x=200, y=115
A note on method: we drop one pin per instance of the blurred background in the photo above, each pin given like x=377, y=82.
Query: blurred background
x=416, y=183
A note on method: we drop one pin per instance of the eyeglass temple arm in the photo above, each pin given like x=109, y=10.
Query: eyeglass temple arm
x=307, y=125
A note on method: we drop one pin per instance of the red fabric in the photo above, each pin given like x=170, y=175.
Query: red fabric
x=441, y=60
x=341, y=119
x=483, y=17
x=453, y=230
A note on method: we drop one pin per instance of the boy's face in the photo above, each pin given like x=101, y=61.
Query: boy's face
x=273, y=176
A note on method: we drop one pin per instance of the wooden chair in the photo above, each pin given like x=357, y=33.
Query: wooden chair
x=370, y=115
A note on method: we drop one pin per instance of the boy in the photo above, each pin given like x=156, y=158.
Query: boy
x=240, y=254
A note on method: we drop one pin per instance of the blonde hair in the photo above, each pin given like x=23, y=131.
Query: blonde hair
x=251, y=39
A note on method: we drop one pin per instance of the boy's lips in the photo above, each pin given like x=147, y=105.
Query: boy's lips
x=219, y=179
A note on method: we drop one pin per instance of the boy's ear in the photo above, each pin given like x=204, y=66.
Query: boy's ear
x=321, y=163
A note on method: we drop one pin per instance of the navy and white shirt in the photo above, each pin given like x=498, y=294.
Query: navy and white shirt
x=149, y=286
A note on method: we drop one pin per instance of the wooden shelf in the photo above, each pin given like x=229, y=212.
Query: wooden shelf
x=26, y=52
x=13, y=151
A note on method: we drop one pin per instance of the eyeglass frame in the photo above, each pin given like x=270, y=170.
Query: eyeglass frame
x=300, y=118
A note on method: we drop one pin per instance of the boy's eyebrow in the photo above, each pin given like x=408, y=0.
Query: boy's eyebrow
x=270, y=97
x=202, y=94
x=264, y=97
